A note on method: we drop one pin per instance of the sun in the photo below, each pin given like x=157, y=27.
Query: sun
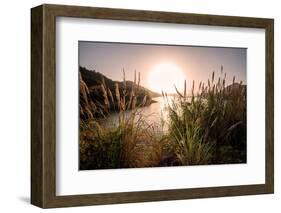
x=164, y=76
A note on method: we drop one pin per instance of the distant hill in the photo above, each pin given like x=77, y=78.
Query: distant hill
x=91, y=95
x=93, y=78
x=237, y=88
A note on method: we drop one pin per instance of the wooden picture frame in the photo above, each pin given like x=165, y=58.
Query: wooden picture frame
x=43, y=105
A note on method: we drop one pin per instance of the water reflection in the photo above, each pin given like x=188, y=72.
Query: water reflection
x=155, y=114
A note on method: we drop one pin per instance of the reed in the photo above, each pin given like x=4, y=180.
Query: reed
x=211, y=125
x=130, y=143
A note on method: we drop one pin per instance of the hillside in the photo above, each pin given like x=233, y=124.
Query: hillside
x=93, y=78
x=237, y=89
x=91, y=95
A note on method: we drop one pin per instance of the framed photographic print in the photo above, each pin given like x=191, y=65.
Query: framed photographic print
x=136, y=106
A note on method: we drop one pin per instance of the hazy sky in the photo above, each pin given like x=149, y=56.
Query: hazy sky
x=183, y=62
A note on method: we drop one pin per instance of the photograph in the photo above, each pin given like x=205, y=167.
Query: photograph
x=161, y=105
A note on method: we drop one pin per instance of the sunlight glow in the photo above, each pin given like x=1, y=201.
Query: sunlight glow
x=164, y=76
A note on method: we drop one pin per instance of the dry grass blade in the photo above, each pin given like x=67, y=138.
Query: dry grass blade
x=178, y=92
x=200, y=84
x=163, y=95
x=219, y=83
x=135, y=77
x=110, y=95
x=184, y=89
x=144, y=101
x=138, y=81
x=134, y=102
x=104, y=93
x=117, y=94
x=192, y=89
x=124, y=78
x=234, y=126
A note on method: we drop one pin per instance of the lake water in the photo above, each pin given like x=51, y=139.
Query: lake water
x=153, y=114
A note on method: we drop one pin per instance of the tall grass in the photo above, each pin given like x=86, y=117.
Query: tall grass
x=99, y=147
x=130, y=143
x=185, y=130
x=210, y=125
